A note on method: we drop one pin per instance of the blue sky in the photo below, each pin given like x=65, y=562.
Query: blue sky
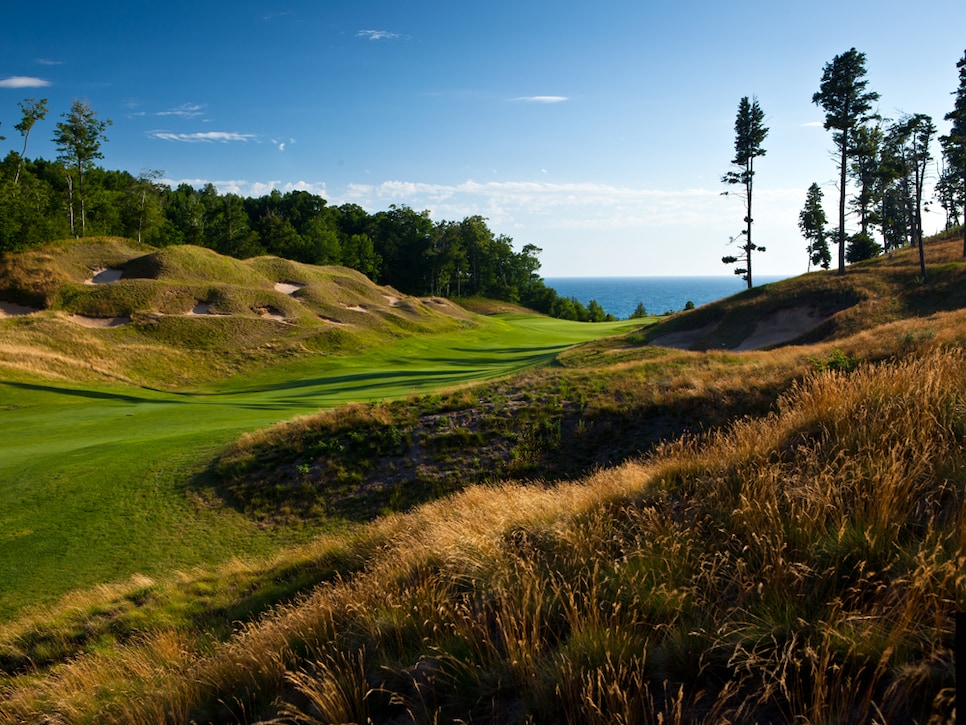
x=597, y=131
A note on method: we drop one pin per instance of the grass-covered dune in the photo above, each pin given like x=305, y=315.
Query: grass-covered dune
x=772, y=535
x=109, y=309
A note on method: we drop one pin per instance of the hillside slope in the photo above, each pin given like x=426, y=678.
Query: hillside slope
x=108, y=309
x=774, y=535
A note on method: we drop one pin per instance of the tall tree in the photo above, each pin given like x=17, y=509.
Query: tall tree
x=79, y=137
x=812, y=221
x=865, y=169
x=750, y=133
x=954, y=144
x=847, y=106
x=33, y=111
x=912, y=136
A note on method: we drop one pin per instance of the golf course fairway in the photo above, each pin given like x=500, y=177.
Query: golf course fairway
x=101, y=482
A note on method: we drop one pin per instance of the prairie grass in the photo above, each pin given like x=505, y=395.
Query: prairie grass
x=772, y=536
x=805, y=565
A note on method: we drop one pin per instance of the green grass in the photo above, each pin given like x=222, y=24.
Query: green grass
x=101, y=481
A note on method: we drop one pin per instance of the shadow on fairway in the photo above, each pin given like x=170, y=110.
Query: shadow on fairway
x=94, y=394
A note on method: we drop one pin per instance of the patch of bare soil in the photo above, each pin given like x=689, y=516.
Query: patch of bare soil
x=781, y=326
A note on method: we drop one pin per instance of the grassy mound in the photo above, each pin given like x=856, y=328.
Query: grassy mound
x=150, y=306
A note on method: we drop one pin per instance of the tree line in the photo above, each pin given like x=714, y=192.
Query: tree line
x=43, y=200
x=886, y=161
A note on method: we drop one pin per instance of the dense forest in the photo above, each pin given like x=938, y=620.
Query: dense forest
x=42, y=200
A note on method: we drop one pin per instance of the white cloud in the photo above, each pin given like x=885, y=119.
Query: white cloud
x=185, y=110
x=23, y=82
x=541, y=99
x=242, y=187
x=813, y=124
x=377, y=35
x=203, y=137
x=48, y=61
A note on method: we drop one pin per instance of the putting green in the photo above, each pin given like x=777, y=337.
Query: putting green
x=99, y=483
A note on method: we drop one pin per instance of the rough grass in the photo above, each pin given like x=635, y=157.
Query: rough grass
x=803, y=563
x=246, y=323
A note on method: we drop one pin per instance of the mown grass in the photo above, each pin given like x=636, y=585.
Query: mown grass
x=105, y=481
x=802, y=563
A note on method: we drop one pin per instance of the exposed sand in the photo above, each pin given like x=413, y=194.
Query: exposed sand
x=685, y=339
x=782, y=326
x=100, y=321
x=270, y=313
x=288, y=288
x=393, y=301
x=104, y=275
x=12, y=309
x=202, y=308
x=356, y=308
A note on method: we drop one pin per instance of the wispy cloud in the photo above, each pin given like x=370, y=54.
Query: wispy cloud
x=281, y=143
x=541, y=99
x=813, y=124
x=185, y=110
x=377, y=35
x=203, y=137
x=23, y=82
x=48, y=61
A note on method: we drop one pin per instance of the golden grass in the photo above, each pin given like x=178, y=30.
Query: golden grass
x=801, y=566
x=804, y=565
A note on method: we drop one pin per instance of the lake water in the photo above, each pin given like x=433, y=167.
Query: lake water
x=620, y=295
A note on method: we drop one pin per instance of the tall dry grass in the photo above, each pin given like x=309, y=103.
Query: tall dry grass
x=802, y=567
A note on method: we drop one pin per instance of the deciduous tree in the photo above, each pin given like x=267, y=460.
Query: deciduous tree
x=750, y=133
x=79, y=137
x=33, y=111
x=847, y=106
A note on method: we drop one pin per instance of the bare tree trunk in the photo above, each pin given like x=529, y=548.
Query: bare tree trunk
x=70, y=203
x=843, y=168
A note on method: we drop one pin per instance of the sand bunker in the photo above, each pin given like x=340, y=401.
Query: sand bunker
x=100, y=321
x=781, y=326
x=104, y=275
x=202, y=308
x=270, y=313
x=356, y=308
x=685, y=339
x=12, y=309
x=288, y=288
x=393, y=301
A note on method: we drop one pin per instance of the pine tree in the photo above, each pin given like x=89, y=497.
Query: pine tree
x=812, y=222
x=847, y=104
x=954, y=144
x=750, y=133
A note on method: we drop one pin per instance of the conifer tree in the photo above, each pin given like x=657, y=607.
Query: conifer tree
x=847, y=106
x=750, y=133
x=812, y=221
x=954, y=144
